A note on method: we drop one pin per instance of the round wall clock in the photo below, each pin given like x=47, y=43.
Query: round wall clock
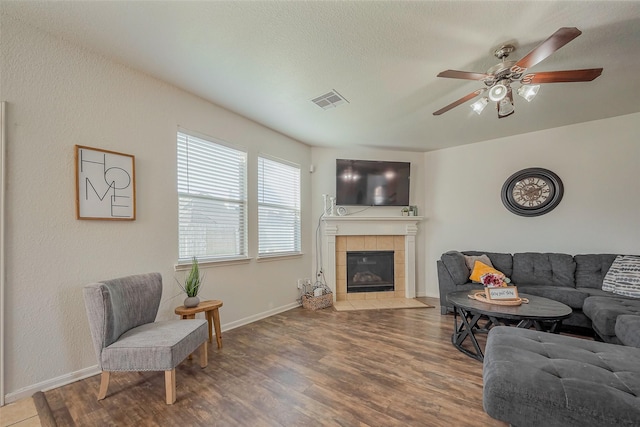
x=532, y=192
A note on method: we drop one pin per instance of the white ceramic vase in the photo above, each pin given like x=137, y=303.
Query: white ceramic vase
x=190, y=302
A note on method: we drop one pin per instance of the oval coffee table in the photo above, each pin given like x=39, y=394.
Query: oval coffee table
x=543, y=313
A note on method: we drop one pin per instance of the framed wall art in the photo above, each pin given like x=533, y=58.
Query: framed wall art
x=105, y=184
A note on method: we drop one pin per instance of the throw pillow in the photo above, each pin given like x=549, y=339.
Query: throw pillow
x=470, y=260
x=609, y=281
x=453, y=261
x=623, y=278
x=479, y=269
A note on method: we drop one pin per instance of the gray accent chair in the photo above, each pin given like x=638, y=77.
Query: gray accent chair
x=126, y=337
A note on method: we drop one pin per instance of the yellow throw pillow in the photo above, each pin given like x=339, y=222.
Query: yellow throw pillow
x=479, y=269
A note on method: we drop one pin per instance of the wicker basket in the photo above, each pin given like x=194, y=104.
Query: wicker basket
x=316, y=303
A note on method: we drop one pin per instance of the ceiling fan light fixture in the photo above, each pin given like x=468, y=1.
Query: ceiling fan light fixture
x=498, y=92
x=528, y=92
x=505, y=105
x=479, y=105
x=505, y=108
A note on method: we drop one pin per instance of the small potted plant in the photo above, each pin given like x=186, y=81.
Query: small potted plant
x=192, y=284
x=405, y=211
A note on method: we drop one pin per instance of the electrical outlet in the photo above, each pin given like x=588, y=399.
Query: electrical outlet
x=300, y=283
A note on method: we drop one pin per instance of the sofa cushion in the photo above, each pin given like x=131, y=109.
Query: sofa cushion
x=574, y=298
x=534, y=378
x=595, y=292
x=628, y=329
x=591, y=269
x=603, y=312
x=543, y=269
x=456, y=266
x=162, y=345
x=500, y=261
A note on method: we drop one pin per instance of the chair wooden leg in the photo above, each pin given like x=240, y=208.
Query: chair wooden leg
x=104, y=385
x=204, y=360
x=170, y=386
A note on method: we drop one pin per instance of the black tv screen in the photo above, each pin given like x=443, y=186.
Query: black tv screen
x=372, y=183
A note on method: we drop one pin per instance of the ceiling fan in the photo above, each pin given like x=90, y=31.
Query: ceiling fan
x=498, y=79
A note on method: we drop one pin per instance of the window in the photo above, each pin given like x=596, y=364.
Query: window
x=212, y=199
x=278, y=208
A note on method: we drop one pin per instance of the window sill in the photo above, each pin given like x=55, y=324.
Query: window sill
x=278, y=257
x=186, y=265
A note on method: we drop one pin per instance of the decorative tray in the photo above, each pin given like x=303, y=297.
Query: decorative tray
x=481, y=296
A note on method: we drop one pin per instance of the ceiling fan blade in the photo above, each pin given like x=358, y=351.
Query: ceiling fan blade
x=558, y=39
x=459, y=101
x=562, y=76
x=467, y=75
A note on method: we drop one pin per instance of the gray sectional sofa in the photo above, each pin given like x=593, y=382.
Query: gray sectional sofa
x=574, y=280
x=533, y=378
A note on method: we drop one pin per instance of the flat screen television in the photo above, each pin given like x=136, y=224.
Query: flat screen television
x=372, y=183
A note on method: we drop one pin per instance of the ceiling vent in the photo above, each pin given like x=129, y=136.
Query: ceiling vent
x=329, y=100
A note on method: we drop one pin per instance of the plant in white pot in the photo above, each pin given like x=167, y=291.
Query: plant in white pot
x=191, y=285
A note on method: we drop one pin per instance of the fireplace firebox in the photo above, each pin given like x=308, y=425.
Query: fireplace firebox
x=370, y=271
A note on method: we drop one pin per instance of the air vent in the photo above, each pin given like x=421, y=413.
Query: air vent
x=329, y=100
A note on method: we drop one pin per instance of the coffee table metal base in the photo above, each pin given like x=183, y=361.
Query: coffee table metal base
x=470, y=324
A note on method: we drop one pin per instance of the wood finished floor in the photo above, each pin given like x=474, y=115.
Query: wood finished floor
x=302, y=368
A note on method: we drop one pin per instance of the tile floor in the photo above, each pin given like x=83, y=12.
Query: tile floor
x=378, y=304
x=22, y=413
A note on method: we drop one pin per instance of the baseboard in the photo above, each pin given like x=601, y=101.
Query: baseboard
x=52, y=383
x=94, y=370
x=424, y=294
x=259, y=316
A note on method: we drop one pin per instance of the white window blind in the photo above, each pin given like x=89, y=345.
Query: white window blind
x=278, y=208
x=212, y=199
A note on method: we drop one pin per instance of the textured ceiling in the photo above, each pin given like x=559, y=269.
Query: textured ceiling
x=266, y=61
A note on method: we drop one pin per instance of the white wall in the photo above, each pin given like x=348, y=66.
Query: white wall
x=324, y=182
x=598, y=163
x=59, y=95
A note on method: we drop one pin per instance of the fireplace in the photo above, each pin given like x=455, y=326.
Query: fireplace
x=369, y=271
x=370, y=267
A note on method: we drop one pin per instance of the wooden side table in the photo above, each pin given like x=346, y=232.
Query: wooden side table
x=210, y=308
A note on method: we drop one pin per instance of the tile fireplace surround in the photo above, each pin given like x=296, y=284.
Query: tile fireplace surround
x=357, y=233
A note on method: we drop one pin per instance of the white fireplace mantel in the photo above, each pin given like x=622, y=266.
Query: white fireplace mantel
x=371, y=226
